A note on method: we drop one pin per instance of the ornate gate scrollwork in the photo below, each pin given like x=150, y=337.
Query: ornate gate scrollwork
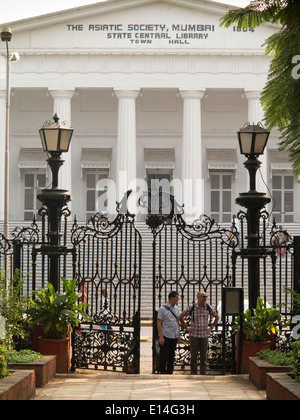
x=108, y=272
x=189, y=257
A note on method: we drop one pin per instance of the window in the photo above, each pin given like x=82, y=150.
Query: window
x=283, y=195
x=158, y=178
x=34, y=182
x=92, y=194
x=220, y=195
x=155, y=179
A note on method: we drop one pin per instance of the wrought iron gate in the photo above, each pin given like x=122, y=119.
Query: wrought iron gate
x=108, y=272
x=279, y=254
x=188, y=258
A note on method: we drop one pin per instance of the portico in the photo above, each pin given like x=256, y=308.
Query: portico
x=151, y=88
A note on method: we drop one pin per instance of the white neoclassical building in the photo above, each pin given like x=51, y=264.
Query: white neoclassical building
x=153, y=89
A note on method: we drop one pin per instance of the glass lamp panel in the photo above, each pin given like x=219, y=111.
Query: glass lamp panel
x=65, y=138
x=42, y=136
x=260, y=142
x=51, y=138
x=246, y=143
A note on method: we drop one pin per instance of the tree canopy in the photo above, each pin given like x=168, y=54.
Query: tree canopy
x=280, y=97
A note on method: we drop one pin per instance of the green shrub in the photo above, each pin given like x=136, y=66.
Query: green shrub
x=276, y=357
x=13, y=306
x=3, y=363
x=23, y=356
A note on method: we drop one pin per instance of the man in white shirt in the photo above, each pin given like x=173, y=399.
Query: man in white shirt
x=168, y=331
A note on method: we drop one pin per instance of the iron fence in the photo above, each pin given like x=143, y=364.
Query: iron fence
x=106, y=259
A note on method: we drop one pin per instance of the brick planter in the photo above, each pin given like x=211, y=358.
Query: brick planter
x=20, y=385
x=44, y=368
x=282, y=386
x=259, y=368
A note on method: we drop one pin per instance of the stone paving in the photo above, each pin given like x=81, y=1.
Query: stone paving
x=114, y=387
x=98, y=385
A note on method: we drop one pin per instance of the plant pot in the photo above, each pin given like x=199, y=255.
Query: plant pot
x=249, y=349
x=59, y=348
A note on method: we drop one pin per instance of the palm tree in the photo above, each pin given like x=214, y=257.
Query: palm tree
x=280, y=97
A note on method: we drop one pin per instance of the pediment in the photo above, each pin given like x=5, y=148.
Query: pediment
x=136, y=25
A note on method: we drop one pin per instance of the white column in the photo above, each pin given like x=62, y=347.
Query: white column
x=255, y=115
x=126, y=142
x=2, y=148
x=192, y=178
x=62, y=106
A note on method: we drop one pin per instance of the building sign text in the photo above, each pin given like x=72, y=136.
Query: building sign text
x=146, y=33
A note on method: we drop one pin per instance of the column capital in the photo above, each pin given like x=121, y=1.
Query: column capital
x=127, y=93
x=192, y=93
x=62, y=93
x=252, y=95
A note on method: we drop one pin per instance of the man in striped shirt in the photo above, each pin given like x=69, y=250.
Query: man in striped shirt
x=201, y=313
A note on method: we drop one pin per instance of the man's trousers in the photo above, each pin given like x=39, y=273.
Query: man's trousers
x=167, y=355
x=198, y=345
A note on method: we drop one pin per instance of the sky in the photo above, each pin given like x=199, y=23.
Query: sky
x=22, y=9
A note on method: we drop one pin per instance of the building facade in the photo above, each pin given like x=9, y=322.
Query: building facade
x=153, y=90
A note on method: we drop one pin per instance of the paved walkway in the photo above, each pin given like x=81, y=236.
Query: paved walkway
x=98, y=385
x=114, y=387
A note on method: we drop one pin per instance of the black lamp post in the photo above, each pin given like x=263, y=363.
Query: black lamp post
x=252, y=142
x=56, y=138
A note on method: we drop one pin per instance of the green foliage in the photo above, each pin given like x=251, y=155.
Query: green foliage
x=275, y=357
x=296, y=362
x=257, y=13
x=57, y=312
x=23, y=356
x=280, y=96
x=13, y=306
x=8, y=355
x=258, y=326
x=3, y=363
x=295, y=304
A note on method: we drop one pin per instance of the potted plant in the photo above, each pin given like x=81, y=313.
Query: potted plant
x=59, y=314
x=257, y=327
